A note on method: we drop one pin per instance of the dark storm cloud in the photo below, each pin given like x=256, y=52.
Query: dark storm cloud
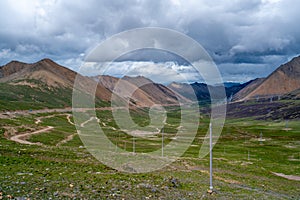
x=250, y=37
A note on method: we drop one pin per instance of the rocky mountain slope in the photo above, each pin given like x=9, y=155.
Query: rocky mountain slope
x=48, y=84
x=283, y=80
x=42, y=84
x=141, y=91
x=127, y=90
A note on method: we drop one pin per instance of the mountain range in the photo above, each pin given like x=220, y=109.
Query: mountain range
x=48, y=84
x=42, y=84
x=140, y=91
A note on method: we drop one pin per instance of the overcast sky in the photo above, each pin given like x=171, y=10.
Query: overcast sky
x=245, y=38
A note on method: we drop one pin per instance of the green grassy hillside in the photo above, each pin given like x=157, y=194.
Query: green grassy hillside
x=25, y=97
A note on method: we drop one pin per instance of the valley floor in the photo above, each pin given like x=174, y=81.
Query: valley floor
x=42, y=157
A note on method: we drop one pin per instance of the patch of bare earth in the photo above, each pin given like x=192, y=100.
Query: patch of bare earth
x=289, y=177
x=32, y=85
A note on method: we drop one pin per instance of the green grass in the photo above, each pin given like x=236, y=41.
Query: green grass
x=51, y=138
x=41, y=172
x=23, y=97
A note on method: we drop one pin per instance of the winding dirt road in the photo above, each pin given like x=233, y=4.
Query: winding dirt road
x=69, y=119
x=20, y=138
x=87, y=121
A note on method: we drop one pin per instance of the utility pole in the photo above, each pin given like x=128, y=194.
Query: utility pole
x=210, y=160
x=162, y=142
x=133, y=145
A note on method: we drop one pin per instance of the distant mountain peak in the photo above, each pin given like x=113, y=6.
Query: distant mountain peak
x=139, y=77
x=46, y=61
x=14, y=62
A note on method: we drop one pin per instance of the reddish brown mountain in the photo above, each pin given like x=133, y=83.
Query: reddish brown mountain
x=124, y=89
x=247, y=90
x=158, y=92
x=144, y=91
x=283, y=80
x=47, y=75
x=50, y=73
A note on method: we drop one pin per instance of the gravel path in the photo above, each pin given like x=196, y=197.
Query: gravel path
x=12, y=114
x=289, y=177
x=91, y=119
x=67, y=139
x=20, y=138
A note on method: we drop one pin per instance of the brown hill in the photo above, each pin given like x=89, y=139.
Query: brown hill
x=50, y=73
x=46, y=75
x=283, y=80
x=124, y=89
x=11, y=68
x=159, y=93
x=144, y=91
x=248, y=89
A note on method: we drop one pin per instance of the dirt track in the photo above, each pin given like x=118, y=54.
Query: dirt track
x=87, y=121
x=17, y=138
x=67, y=139
x=21, y=138
x=289, y=177
x=11, y=114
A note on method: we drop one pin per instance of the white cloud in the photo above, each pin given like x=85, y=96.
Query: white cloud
x=5, y=53
x=166, y=72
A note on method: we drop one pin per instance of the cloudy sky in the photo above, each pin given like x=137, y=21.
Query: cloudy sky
x=245, y=38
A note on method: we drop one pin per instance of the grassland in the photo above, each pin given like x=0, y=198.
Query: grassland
x=37, y=96
x=245, y=156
